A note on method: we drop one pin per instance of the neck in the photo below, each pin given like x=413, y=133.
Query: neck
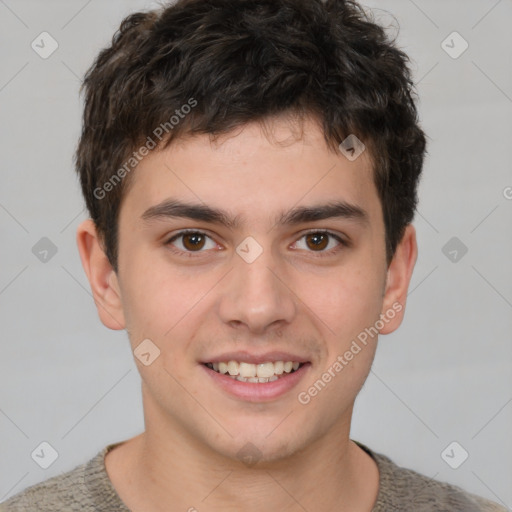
x=167, y=471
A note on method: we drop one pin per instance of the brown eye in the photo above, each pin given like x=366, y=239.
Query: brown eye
x=324, y=243
x=317, y=241
x=188, y=242
x=193, y=241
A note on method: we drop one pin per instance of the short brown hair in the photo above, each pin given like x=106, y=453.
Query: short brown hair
x=237, y=61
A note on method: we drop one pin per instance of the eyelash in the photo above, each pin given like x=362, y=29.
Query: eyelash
x=195, y=254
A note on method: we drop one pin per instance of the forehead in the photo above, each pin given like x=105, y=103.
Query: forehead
x=254, y=172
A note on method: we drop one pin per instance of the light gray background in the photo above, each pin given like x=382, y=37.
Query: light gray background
x=444, y=376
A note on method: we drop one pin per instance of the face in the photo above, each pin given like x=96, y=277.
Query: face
x=265, y=251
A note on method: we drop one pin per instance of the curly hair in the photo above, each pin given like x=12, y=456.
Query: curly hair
x=239, y=61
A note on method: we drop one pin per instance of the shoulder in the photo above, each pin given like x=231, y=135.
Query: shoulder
x=47, y=495
x=402, y=489
x=67, y=491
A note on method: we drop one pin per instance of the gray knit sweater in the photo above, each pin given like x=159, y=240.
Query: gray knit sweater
x=87, y=488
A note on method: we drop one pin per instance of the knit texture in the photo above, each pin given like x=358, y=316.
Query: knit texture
x=87, y=488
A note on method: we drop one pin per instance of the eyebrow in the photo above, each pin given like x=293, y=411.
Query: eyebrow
x=172, y=208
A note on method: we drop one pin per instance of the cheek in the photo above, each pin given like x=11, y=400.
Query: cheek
x=345, y=302
x=159, y=300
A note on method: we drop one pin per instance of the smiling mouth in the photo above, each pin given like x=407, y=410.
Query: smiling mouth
x=255, y=373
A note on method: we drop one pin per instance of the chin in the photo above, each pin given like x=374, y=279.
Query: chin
x=259, y=447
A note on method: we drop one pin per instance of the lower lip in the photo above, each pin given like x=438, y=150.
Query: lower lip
x=258, y=392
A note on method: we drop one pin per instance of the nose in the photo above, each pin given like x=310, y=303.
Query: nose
x=257, y=296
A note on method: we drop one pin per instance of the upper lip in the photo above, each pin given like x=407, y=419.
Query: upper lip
x=253, y=358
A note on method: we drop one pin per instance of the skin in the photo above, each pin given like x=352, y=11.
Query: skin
x=290, y=298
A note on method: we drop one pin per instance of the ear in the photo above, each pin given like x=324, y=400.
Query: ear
x=101, y=276
x=398, y=279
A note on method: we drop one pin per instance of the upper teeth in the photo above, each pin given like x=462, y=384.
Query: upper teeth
x=247, y=370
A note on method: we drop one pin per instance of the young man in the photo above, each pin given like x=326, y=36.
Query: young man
x=250, y=168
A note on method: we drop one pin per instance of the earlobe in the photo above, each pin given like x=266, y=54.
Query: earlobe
x=398, y=279
x=102, y=278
